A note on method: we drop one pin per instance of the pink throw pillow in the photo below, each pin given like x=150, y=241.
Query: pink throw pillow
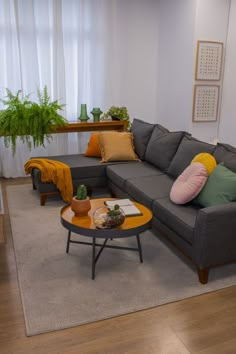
x=189, y=184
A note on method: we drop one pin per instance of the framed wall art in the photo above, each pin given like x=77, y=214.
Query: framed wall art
x=209, y=60
x=205, y=103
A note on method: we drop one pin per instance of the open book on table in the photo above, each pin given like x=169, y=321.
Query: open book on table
x=126, y=204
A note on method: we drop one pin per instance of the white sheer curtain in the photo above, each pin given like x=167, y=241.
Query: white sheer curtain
x=59, y=43
x=98, y=52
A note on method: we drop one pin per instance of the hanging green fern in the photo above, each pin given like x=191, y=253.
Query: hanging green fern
x=30, y=121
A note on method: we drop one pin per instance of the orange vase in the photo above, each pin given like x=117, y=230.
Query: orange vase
x=80, y=207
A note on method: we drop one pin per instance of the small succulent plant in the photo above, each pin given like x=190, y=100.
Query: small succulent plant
x=115, y=211
x=108, y=218
x=81, y=192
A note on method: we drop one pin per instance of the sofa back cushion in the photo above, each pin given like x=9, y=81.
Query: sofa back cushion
x=142, y=132
x=227, y=154
x=162, y=147
x=187, y=150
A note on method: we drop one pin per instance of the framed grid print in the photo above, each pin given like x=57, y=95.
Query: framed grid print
x=205, y=103
x=209, y=60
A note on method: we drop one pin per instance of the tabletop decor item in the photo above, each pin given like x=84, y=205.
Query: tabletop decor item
x=80, y=204
x=83, y=113
x=108, y=218
x=96, y=112
x=118, y=113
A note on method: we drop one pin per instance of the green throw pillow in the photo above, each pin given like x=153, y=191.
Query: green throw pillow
x=220, y=188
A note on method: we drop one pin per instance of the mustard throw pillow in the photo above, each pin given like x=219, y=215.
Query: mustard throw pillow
x=207, y=160
x=116, y=146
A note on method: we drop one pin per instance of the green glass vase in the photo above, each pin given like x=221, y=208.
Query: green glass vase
x=83, y=113
x=96, y=112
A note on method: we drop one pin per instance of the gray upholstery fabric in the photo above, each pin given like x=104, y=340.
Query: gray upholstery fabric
x=146, y=189
x=116, y=191
x=172, y=236
x=214, y=236
x=90, y=182
x=82, y=166
x=118, y=174
x=42, y=187
x=162, y=147
x=227, y=154
x=179, y=218
x=187, y=150
x=141, y=132
x=84, y=170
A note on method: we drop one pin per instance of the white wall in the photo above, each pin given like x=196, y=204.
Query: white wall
x=138, y=57
x=180, y=24
x=227, y=128
x=176, y=20
x=211, y=24
x=131, y=72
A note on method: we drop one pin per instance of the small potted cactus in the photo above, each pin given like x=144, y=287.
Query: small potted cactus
x=80, y=203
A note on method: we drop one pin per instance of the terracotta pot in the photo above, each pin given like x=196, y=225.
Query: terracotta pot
x=80, y=207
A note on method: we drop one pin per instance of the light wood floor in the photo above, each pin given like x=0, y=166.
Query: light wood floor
x=204, y=324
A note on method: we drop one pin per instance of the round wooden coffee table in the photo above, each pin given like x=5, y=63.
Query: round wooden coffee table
x=132, y=226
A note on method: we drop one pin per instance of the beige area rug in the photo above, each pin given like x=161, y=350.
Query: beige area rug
x=56, y=288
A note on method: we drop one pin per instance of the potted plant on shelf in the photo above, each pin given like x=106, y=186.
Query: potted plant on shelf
x=32, y=122
x=118, y=113
x=80, y=204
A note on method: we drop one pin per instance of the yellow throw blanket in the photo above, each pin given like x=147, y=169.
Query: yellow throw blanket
x=56, y=172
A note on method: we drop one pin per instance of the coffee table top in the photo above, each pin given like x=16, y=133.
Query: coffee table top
x=85, y=225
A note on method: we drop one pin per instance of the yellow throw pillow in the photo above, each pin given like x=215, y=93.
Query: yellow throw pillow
x=116, y=146
x=207, y=160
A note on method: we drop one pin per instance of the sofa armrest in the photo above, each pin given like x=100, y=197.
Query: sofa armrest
x=215, y=235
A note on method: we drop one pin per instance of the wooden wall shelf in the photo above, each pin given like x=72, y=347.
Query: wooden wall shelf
x=76, y=127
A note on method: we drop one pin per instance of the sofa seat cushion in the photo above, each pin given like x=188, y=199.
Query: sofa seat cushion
x=84, y=170
x=82, y=166
x=187, y=150
x=120, y=173
x=146, y=189
x=179, y=218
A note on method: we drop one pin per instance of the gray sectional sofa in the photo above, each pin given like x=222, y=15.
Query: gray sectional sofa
x=205, y=235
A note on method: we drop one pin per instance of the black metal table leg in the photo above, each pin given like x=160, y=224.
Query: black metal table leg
x=93, y=258
x=102, y=246
x=139, y=249
x=68, y=242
